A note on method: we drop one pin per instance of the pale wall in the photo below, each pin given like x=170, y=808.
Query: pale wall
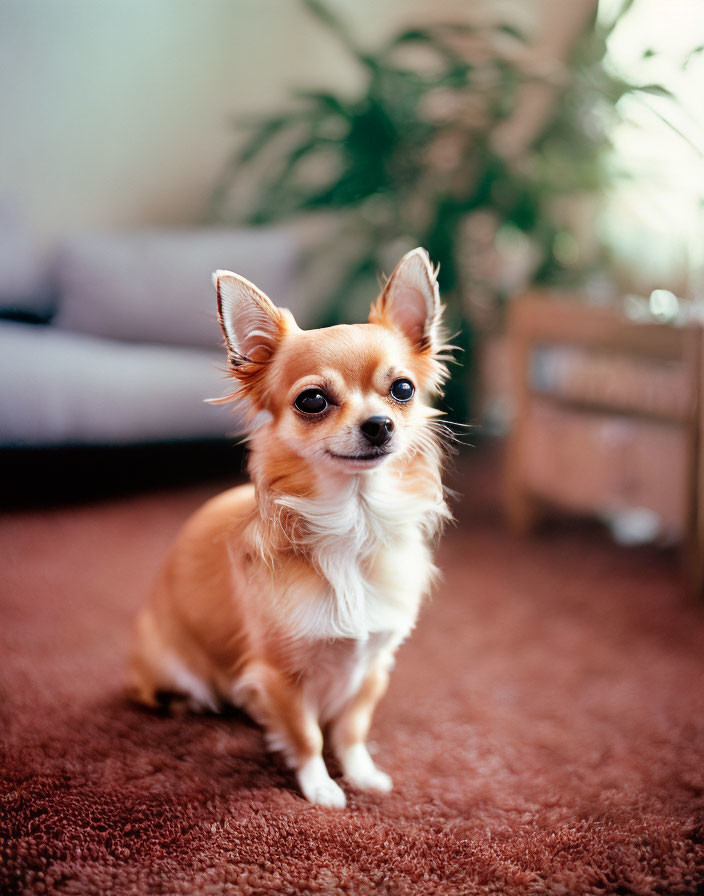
x=116, y=112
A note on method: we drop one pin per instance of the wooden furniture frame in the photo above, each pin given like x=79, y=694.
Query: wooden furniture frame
x=539, y=318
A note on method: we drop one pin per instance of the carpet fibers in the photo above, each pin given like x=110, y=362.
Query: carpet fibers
x=544, y=728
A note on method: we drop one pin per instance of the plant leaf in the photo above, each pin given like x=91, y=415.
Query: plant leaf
x=322, y=12
x=327, y=100
x=655, y=90
x=692, y=53
x=511, y=31
x=259, y=139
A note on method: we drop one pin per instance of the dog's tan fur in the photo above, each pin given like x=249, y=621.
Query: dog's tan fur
x=289, y=597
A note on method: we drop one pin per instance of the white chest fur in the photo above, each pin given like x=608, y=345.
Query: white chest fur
x=367, y=540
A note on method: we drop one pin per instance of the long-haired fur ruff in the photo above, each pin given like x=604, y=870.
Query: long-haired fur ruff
x=288, y=597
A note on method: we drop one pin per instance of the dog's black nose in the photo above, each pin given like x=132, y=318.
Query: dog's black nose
x=377, y=430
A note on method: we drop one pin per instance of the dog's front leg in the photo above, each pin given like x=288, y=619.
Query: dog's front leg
x=291, y=727
x=348, y=734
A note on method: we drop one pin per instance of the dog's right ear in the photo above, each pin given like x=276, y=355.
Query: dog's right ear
x=252, y=324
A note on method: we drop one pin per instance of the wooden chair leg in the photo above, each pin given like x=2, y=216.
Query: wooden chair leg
x=522, y=512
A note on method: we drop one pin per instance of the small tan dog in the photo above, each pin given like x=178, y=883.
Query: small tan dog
x=289, y=597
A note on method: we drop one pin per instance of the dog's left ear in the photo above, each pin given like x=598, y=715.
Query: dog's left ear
x=410, y=301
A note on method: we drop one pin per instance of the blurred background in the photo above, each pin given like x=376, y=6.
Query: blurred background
x=549, y=155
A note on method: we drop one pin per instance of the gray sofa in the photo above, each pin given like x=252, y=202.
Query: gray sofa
x=132, y=346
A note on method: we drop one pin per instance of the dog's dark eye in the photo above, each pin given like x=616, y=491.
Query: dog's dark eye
x=402, y=390
x=312, y=401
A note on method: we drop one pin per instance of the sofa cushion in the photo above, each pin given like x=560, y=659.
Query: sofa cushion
x=63, y=388
x=24, y=287
x=155, y=286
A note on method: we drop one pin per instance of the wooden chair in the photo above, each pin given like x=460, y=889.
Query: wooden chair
x=541, y=469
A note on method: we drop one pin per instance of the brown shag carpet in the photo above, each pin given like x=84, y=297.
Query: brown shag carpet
x=544, y=728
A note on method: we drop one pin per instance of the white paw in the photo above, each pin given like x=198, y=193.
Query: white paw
x=318, y=787
x=361, y=772
x=326, y=793
x=372, y=780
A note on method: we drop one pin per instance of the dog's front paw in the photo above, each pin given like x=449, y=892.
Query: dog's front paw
x=361, y=772
x=318, y=787
x=374, y=779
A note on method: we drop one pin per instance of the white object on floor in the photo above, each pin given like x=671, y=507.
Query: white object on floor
x=634, y=526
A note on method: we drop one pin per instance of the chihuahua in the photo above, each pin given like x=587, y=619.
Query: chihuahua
x=288, y=597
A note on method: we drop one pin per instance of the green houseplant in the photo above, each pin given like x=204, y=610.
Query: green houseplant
x=414, y=156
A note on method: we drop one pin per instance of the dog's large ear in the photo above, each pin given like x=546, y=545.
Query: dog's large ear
x=410, y=301
x=252, y=324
